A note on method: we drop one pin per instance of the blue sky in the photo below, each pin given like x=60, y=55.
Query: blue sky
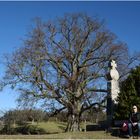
x=122, y=18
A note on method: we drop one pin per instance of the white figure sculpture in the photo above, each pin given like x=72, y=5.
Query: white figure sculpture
x=114, y=81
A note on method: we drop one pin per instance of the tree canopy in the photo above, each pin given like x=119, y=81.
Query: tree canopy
x=64, y=63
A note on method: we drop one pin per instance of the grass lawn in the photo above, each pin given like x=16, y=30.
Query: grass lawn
x=70, y=135
x=55, y=130
x=53, y=127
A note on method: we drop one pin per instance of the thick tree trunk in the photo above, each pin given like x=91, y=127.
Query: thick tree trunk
x=73, y=123
x=74, y=116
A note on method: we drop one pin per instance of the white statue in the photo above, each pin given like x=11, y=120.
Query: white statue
x=113, y=72
x=114, y=81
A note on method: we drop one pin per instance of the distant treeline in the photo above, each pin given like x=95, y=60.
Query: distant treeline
x=38, y=115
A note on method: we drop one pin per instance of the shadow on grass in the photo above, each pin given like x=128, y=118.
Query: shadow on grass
x=117, y=133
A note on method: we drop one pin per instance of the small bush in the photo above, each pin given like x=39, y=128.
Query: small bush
x=24, y=129
x=8, y=130
x=30, y=129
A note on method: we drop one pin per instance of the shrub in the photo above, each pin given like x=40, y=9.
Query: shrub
x=24, y=129
x=30, y=129
x=7, y=129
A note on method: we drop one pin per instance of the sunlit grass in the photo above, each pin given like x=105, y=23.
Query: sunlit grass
x=69, y=135
x=53, y=127
x=55, y=130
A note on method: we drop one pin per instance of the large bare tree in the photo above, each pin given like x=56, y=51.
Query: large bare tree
x=64, y=62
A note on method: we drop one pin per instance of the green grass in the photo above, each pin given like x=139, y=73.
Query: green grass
x=70, y=135
x=53, y=127
x=55, y=130
x=58, y=127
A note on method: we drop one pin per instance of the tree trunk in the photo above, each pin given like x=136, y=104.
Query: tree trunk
x=74, y=116
x=73, y=123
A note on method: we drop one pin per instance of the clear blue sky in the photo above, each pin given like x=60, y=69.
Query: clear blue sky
x=122, y=18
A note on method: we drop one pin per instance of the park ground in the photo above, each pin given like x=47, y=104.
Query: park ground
x=75, y=135
x=55, y=130
x=70, y=135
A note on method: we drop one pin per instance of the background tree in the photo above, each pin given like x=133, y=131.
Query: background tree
x=129, y=95
x=22, y=121
x=64, y=63
x=13, y=117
